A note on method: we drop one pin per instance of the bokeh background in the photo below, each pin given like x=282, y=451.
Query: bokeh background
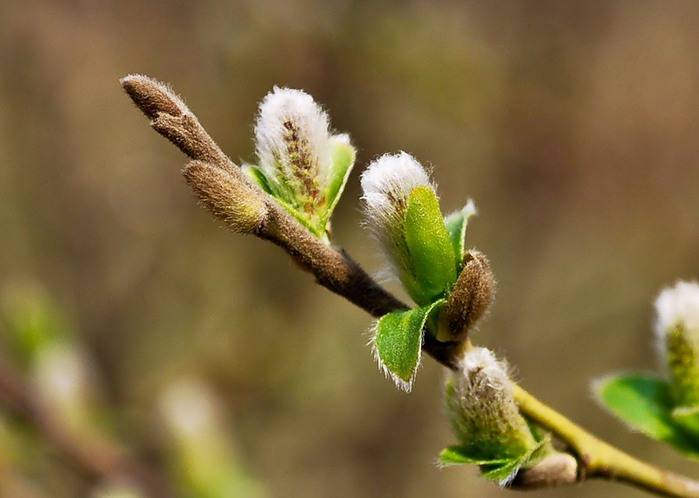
x=573, y=125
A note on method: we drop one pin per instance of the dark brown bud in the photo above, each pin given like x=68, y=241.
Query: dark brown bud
x=470, y=297
x=241, y=207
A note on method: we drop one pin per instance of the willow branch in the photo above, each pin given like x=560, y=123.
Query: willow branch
x=339, y=273
x=94, y=461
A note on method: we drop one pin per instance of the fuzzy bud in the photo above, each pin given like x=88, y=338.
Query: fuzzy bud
x=470, y=297
x=555, y=469
x=402, y=211
x=152, y=96
x=483, y=411
x=303, y=164
x=677, y=330
x=228, y=198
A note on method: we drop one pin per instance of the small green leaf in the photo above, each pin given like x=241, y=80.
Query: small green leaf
x=258, y=177
x=502, y=470
x=432, y=261
x=645, y=404
x=281, y=194
x=502, y=473
x=456, y=224
x=343, y=156
x=398, y=342
x=456, y=455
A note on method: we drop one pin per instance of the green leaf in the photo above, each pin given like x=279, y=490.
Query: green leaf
x=456, y=455
x=430, y=251
x=501, y=470
x=258, y=177
x=645, y=404
x=456, y=224
x=343, y=156
x=502, y=473
x=687, y=418
x=398, y=342
x=281, y=195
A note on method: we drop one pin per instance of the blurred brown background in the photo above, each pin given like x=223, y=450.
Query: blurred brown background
x=573, y=125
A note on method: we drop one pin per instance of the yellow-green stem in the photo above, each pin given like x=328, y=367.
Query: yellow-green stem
x=600, y=459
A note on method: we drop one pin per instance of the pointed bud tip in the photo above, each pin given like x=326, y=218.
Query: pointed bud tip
x=151, y=96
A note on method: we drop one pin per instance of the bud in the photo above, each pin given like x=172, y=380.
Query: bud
x=300, y=162
x=483, y=412
x=402, y=210
x=470, y=297
x=203, y=455
x=677, y=330
x=152, y=96
x=229, y=199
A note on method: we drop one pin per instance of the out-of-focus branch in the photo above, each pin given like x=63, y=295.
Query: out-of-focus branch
x=216, y=179
x=94, y=461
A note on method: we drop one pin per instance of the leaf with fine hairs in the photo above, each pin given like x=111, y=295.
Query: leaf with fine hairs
x=457, y=223
x=397, y=343
x=644, y=403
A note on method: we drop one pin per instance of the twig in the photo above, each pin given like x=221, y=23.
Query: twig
x=94, y=461
x=336, y=271
x=602, y=460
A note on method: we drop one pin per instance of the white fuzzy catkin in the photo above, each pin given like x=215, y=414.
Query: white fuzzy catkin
x=486, y=392
x=480, y=365
x=386, y=185
x=677, y=337
x=678, y=305
x=281, y=109
x=483, y=411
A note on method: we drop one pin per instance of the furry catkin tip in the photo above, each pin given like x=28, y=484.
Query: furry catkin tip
x=677, y=305
x=386, y=186
x=677, y=333
x=229, y=199
x=293, y=138
x=482, y=409
x=152, y=96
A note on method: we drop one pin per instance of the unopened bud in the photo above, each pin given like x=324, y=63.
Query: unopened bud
x=152, y=96
x=555, y=469
x=483, y=411
x=229, y=199
x=469, y=299
x=301, y=162
x=402, y=210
